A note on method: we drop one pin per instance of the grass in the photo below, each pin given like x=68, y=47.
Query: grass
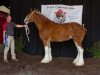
x=95, y=50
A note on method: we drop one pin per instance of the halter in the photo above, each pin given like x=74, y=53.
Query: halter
x=27, y=28
x=30, y=15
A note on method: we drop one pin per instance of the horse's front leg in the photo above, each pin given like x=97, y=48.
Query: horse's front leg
x=48, y=56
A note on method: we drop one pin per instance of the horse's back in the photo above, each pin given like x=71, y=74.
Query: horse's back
x=66, y=31
x=68, y=26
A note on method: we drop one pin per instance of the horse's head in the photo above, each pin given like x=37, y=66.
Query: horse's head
x=29, y=17
x=34, y=15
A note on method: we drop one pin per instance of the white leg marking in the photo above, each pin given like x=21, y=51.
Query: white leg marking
x=46, y=57
x=79, y=61
x=50, y=55
x=76, y=59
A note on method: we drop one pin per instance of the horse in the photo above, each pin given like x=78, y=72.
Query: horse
x=49, y=31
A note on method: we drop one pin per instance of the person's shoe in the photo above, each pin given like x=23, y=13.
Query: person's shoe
x=15, y=60
x=6, y=61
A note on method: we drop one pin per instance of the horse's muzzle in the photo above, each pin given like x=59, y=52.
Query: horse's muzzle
x=26, y=21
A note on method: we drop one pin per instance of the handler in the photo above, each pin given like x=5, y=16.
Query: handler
x=8, y=37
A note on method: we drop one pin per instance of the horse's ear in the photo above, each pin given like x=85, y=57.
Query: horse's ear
x=34, y=9
x=37, y=10
x=31, y=10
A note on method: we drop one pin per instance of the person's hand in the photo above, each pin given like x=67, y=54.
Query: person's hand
x=25, y=25
x=3, y=41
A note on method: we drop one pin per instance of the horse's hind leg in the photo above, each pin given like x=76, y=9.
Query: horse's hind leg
x=79, y=61
x=76, y=59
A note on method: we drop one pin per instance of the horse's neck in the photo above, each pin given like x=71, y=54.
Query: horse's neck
x=39, y=19
x=44, y=18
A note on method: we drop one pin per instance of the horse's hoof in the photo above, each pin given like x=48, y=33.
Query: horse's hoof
x=50, y=59
x=74, y=61
x=45, y=61
x=79, y=64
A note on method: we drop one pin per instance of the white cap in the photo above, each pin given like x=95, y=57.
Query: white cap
x=4, y=9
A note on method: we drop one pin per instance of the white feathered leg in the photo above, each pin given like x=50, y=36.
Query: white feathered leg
x=50, y=55
x=79, y=61
x=76, y=59
x=46, y=57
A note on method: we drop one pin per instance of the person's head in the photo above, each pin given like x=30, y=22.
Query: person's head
x=8, y=18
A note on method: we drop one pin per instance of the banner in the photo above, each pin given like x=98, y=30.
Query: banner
x=63, y=13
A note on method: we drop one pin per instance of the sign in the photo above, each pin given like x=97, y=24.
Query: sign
x=63, y=13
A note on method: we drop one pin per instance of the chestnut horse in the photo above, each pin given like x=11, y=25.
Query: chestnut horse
x=50, y=31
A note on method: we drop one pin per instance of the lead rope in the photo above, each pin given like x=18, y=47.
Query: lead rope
x=27, y=32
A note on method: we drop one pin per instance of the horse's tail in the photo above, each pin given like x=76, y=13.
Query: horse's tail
x=84, y=27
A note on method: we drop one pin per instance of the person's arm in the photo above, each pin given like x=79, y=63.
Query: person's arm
x=4, y=36
x=19, y=26
x=4, y=31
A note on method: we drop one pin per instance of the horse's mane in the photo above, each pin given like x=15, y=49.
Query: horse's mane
x=42, y=16
x=45, y=19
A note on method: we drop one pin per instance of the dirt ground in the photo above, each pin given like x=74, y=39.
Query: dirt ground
x=30, y=65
